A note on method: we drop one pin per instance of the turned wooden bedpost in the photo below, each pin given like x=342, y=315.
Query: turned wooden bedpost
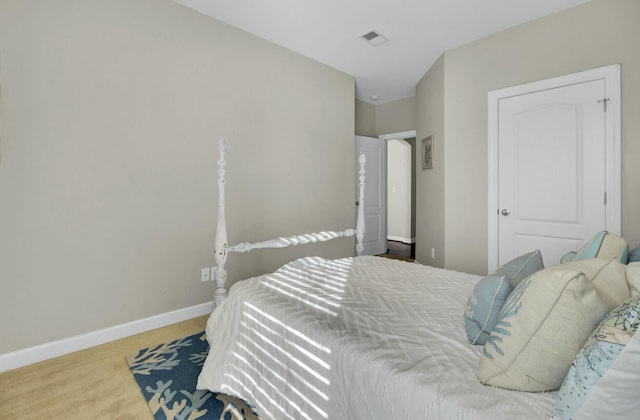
x=360, y=221
x=220, y=250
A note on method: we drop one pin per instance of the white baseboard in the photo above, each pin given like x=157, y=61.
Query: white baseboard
x=401, y=239
x=30, y=355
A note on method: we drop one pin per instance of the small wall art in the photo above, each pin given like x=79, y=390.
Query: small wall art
x=427, y=152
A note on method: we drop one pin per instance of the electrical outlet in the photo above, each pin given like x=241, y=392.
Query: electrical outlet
x=205, y=274
x=433, y=253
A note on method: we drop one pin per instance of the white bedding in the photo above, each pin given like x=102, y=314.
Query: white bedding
x=357, y=338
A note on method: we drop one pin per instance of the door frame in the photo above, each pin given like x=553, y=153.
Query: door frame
x=611, y=76
x=403, y=135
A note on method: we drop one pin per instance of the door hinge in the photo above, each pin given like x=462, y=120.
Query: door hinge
x=604, y=101
x=605, y=198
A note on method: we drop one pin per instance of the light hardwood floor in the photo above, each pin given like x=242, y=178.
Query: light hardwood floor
x=91, y=384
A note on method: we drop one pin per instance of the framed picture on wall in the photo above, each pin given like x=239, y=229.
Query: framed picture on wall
x=427, y=152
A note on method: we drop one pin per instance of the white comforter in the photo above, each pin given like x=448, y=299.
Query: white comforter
x=357, y=338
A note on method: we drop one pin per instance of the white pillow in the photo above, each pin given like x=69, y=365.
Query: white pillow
x=541, y=327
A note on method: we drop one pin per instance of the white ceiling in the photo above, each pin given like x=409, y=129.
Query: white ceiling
x=419, y=31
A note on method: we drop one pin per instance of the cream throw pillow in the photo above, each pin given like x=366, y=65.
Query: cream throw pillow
x=633, y=278
x=608, y=276
x=542, y=326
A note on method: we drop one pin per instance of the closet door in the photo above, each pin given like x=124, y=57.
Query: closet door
x=557, y=166
x=552, y=170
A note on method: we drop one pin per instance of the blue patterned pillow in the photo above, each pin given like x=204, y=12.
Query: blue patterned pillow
x=483, y=307
x=521, y=267
x=485, y=303
x=598, y=354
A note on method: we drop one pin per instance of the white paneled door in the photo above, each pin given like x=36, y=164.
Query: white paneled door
x=552, y=170
x=375, y=195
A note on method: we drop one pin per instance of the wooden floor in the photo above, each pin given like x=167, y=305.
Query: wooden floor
x=400, y=251
x=91, y=384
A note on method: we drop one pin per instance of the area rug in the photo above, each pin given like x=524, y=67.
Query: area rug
x=167, y=375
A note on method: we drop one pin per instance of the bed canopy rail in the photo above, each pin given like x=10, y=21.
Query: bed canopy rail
x=222, y=249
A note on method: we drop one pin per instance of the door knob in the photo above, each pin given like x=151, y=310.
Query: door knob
x=505, y=212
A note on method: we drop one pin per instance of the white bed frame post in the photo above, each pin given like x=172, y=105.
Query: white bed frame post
x=360, y=221
x=220, y=250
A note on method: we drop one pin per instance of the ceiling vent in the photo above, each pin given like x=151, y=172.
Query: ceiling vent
x=374, y=38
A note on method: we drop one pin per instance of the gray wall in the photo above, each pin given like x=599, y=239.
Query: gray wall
x=391, y=117
x=365, y=119
x=592, y=35
x=396, y=116
x=110, y=115
x=430, y=182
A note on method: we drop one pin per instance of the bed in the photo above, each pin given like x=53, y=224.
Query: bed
x=356, y=338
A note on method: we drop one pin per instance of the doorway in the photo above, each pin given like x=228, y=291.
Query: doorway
x=401, y=192
x=376, y=202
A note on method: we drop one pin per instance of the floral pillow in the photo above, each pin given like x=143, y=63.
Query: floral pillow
x=603, y=347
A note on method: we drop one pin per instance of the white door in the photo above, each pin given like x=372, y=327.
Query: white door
x=375, y=193
x=552, y=170
x=555, y=166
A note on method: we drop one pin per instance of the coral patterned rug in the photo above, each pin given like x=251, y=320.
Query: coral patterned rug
x=167, y=375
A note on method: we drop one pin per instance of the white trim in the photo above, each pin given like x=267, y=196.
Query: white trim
x=401, y=135
x=401, y=239
x=492, y=182
x=611, y=76
x=613, y=150
x=30, y=355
